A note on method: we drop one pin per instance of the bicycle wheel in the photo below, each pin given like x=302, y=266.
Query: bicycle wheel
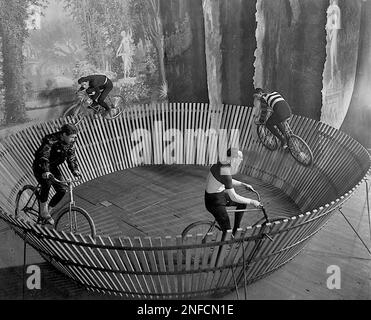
x=300, y=150
x=27, y=204
x=266, y=137
x=200, y=227
x=79, y=221
x=117, y=104
x=72, y=111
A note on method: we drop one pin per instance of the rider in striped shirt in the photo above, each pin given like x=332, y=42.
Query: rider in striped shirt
x=274, y=107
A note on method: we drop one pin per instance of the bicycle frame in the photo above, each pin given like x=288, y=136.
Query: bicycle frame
x=71, y=218
x=36, y=193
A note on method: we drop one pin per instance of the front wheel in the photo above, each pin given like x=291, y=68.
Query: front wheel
x=117, y=107
x=73, y=110
x=76, y=221
x=200, y=227
x=300, y=150
x=27, y=204
x=266, y=137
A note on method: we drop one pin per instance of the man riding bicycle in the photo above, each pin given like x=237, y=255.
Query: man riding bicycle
x=54, y=150
x=273, y=106
x=97, y=87
x=220, y=193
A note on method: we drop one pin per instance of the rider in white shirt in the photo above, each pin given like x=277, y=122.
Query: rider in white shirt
x=220, y=193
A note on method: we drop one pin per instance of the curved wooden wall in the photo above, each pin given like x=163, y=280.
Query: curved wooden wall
x=155, y=267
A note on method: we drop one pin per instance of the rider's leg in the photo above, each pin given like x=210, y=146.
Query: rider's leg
x=238, y=217
x=60, y=190
x=282, y=112
x=282, y=127
x=44, y=192
x=270, y=124
x=104, y=94
x=221, y=217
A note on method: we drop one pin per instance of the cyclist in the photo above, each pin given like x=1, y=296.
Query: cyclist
x=220, y=192
x=54, y=150
x=97, y=87
x=273, y=106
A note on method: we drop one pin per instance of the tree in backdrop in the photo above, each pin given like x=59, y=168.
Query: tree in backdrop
x=213, y=40
x=13, y=32
x=56, y=43
x=2, y=89
x=101, y=24
x=146, y=15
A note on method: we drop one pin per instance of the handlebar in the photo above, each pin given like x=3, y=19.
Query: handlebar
x=83, y=96
x=256, y=192
x=262, y=209
x=259, y=199
x=65, y=182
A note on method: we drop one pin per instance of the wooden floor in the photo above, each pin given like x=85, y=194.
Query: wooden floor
x=162, y=200
x=159, y=201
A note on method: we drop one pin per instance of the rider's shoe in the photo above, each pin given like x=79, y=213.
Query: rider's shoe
x=105, y=113
x=44, y=216
x=47, y=219
x=111, y=112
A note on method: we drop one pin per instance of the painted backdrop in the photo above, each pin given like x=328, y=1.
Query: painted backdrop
x=182, y=51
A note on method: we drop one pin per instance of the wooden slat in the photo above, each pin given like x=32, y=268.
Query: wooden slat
x=145, y=265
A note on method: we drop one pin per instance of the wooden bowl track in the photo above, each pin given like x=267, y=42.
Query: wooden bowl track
x=141, y=201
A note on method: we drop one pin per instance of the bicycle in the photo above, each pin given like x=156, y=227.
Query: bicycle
x=70, y=219
x=298, y=148
x=205, y=227
x=83, y=107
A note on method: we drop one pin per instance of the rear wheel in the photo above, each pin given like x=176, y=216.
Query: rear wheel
x=27, y=204
x=266, y=137
x=300, y=150
x=78, y=221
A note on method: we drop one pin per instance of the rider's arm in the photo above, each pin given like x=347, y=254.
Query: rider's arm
x=237, y=183
x=93, y=92
x=257, y=102
x=43, y=156
x=72, y=160
x=227, y=180
x=237, y=198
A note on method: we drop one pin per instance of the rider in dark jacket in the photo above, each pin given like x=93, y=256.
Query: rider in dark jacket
x=97, y=87
x=54, y=150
